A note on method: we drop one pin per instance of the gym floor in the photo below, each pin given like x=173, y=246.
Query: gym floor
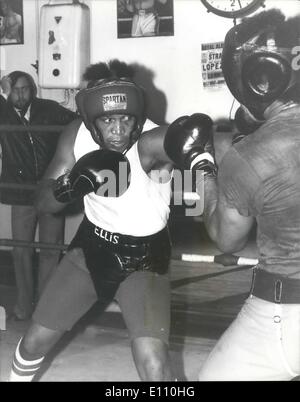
x=205, y=299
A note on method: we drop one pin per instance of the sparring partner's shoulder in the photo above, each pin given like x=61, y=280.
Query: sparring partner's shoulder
x=151, y=150
x=222, y=143
x=64, y=158
x=240, y=183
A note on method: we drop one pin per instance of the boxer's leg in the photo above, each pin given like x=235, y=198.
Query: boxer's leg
x=260, y=345
x=51, y=230
x=144, y=299
x=23, y=224
x=69, y=294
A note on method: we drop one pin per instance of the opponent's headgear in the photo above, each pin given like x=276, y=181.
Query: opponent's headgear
x=108, y=97
x=257, y=69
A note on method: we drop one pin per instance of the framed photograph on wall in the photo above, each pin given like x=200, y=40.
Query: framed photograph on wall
x=144, y=18
x=11, y=22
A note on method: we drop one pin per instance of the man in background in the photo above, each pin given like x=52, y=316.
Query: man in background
x=25, y=157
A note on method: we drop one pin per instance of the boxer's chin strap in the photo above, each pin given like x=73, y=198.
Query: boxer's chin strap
x=131, y=142
x=127, y=149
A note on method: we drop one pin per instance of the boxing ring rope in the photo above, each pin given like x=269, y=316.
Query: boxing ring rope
x=18, y=186
x=34, y=244
x=33, y=128
x=222, y=259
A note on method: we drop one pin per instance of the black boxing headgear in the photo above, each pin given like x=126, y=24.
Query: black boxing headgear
x=256, y=69
x=109, y=97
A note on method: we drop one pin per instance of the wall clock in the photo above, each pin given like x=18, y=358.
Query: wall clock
x=232, y=8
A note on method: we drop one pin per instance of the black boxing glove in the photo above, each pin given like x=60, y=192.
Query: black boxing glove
x=90, y=173
x=189, y=143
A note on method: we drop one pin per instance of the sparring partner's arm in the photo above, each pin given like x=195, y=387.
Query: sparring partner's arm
x=62, y=162
x=189, y=143
x=224, y=224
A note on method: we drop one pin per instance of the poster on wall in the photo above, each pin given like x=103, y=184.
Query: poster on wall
x=211, y=54
x=11, y=22
x=144, y=18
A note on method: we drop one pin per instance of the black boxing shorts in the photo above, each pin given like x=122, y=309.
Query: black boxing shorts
x=111, y=257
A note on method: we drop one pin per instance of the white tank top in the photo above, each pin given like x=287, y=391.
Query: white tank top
x=142, y=210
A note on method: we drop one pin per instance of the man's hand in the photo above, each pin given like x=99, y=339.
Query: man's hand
x=189, y=143
x=103, y=172
x=5, y=85
x=122, y=6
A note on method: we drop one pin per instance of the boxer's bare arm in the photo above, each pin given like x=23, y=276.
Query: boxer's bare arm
x=62, y=162
x=151, y=150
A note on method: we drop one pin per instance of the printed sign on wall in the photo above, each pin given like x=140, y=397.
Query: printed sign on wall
x=211, y=54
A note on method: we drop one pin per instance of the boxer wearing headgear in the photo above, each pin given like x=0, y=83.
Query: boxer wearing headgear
x=122, y=248
x=257, y=61
x=105, y=100
x=258, y=180
x=109, y=97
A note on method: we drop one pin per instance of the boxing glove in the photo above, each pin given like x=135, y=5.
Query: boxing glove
x=189, y=143
x=90, y=173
